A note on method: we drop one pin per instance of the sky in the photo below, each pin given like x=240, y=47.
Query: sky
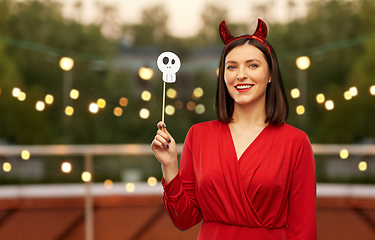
x=185, y=15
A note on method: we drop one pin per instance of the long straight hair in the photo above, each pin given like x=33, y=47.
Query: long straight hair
x=276, y=104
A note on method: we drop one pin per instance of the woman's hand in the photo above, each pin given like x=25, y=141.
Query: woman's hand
x=165, y=150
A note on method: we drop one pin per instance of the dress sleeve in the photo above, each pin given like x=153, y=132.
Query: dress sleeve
x=179, y=196
x=302, y=196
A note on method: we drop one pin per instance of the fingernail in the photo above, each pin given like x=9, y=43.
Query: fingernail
x=167, y=146
x=169, y=140
x=164, y=126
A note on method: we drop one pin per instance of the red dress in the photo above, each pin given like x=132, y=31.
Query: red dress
x=268, y=194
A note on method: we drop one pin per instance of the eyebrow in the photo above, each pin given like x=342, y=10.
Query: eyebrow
x=247, y=61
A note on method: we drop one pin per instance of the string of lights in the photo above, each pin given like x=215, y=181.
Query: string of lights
x=48, y=50
x=328, y=47
x=146, y=74
x=42, y=48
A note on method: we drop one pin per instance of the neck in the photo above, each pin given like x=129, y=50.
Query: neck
x=249, y=115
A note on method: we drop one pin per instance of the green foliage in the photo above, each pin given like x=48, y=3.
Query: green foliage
x=329, y=22
x=38, y=73
x=336, y=35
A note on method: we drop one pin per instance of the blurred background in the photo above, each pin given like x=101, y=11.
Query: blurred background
x=80, y=96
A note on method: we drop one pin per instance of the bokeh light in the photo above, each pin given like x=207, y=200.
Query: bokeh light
x=25, y=155
x=300, y=109
x=22, y=96
x=171, y=93
x=93, y=108
x=372, y=90
x=66, y=167
x=7, y=167
x=108, y=184
x=347, y=95
x=344, y=153
x=130, y=187
x=197, y=93
x=178, y=105
x=320, y=98
x=303, y=62
x=146, y=96
x=40, y=106
x=123, y=102
x=353, y=91
x=69, y=110
x=169, y=110
x=117, y=111
x=295, y=93
x=86, y=176
x=144, y=113
x=190, y=105
x=49, y=99
x=74, y=94
x=152, y=181
x=329, y=105
x=66, y=63
x=16, y=92
x=101, y=103
x=200, y=109
x=145, y=73
x=362, y=166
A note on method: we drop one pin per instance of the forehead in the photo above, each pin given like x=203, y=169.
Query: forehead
x=245, y=52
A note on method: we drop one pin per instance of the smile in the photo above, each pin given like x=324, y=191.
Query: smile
x=243, y=87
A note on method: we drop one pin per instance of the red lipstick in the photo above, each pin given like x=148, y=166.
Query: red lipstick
x=243, y=87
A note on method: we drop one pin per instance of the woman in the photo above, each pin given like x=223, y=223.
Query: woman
x=248, y=174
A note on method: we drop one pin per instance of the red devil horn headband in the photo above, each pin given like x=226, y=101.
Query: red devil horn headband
x=260, y=34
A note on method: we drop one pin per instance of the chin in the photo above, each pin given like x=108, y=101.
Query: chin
x=249, y=101
x=243, y=101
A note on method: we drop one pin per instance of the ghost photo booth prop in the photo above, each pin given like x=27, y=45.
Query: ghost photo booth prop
x=169, y=64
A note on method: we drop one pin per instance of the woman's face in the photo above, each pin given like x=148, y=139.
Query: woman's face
x=246, y=74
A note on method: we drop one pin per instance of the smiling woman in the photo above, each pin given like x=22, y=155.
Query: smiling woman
x=248, y=174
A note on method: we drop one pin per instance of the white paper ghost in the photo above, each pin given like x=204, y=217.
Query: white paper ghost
x=169, y=63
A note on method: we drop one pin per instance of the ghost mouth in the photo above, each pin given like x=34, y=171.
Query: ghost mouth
x=243, y=86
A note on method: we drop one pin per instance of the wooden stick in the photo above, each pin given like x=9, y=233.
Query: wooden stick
x=162, y=112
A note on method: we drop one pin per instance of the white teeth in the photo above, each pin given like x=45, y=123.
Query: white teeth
x=244, y=86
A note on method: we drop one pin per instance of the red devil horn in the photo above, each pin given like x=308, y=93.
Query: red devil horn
x=225, y=35
x=261, y=31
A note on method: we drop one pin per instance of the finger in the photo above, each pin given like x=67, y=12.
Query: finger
x=170, y=138
x=164, y=135
x=162, y=140
x=155, y=144
x=161, y=125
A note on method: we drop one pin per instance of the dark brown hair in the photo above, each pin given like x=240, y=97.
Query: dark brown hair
x=276, y=102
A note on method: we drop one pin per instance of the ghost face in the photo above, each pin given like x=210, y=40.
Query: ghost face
x=169, y=64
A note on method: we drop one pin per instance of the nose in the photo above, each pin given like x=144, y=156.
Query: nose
x=241, y=74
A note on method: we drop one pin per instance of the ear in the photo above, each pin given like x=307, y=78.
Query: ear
x=225, y=35
x=261, y=31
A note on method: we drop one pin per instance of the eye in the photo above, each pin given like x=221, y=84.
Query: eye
x=253, y=65
x=165, y=60
x=231, y=67
x=173, y=61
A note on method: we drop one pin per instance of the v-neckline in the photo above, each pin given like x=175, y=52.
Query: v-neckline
x=249, y=146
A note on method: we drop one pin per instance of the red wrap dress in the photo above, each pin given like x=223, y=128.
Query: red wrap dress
x=269, y=193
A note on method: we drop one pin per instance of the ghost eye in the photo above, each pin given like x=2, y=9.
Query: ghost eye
x=173, y=61
x=165, y=60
